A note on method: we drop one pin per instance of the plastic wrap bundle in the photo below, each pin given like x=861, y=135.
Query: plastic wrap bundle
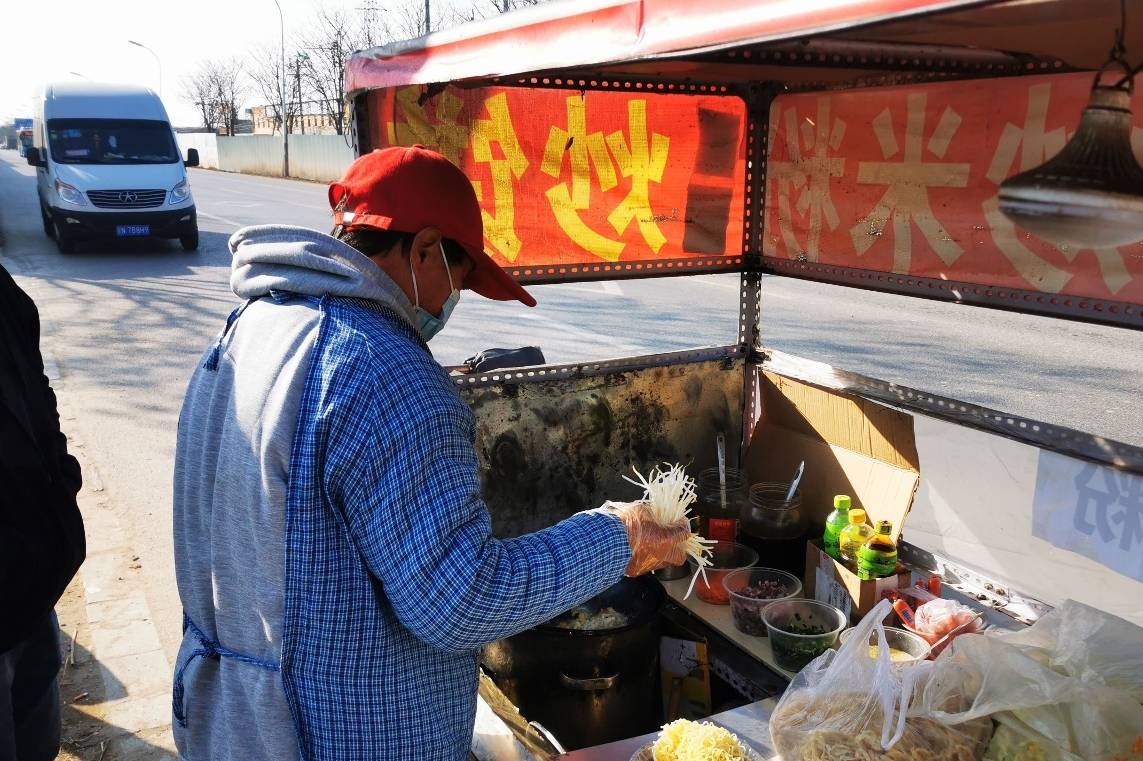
x=1068, y=688
x=847, y=706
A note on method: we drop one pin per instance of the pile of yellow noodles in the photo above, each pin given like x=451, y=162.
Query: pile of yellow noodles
x=684, y=740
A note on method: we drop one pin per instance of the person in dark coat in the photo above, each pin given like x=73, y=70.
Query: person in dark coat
x=41, y=535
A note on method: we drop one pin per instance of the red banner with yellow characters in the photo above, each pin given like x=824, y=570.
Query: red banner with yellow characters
x=905, y=180
x=569, y=177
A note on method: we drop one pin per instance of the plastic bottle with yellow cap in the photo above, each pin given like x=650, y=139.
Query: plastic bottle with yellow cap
x=853, y=537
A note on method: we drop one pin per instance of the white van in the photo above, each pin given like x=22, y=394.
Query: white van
x=108, y=166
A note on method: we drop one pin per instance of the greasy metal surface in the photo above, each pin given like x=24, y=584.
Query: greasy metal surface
x=550, y=448
x=1055, y=438
x=1054, y=304
x=975, y=588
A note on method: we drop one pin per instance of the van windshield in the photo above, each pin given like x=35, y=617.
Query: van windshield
x=111, y=141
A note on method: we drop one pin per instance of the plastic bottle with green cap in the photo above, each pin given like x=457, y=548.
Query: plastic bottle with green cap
x=854, y=536
x=835, y=522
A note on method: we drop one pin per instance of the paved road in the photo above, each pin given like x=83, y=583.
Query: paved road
x=125, y=326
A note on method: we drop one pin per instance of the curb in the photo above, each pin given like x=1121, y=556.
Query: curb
x=105, y=611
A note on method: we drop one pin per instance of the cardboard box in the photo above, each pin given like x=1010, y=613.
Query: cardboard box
x=831, y=582
x=850, y=446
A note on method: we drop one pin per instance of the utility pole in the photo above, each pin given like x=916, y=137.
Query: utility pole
x=302, y=58
x=369, y=21
x=282, y=93
x=428, y=18
x=298, y=86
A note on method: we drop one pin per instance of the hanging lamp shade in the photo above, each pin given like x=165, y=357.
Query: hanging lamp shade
x=1090, y=195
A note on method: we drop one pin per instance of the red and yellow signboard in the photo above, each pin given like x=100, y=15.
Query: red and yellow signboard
x=568, y=177
x=905, y=180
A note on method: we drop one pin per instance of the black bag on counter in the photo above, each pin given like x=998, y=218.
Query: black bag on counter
x=498, y=359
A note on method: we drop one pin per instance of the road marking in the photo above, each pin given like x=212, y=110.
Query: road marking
x=717, y=283
x=224, y=220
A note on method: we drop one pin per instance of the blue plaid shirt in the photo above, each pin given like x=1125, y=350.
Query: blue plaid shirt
x=393, y=577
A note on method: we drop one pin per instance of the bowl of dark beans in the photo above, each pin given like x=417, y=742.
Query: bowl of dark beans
x=752, y=589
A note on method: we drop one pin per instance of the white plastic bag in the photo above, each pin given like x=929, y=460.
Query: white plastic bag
x=938, y=619
x=1065, y=689
x=848, y=706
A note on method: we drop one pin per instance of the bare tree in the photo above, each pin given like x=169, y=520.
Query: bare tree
x=229, y=87
x=332, y=38
x=216, y=89
x=503, y=6
x=405, y=19
x=271, y=84
x=198, y=90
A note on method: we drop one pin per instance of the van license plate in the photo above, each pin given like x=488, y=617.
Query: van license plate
x=127, y=231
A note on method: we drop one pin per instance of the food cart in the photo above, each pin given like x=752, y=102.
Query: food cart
x=855, y=142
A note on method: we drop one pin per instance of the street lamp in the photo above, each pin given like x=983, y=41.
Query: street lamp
x=157, y=61
x=282, y=92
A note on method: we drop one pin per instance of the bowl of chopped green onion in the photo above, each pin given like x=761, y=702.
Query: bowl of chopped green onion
x=801, y=630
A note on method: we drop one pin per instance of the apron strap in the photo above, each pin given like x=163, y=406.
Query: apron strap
x=208, y=648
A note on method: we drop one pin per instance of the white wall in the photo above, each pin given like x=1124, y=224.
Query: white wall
x=322, y=158
x=251, y=154
x=205, y=143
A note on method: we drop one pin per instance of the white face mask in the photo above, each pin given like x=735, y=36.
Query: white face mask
x=427, y=324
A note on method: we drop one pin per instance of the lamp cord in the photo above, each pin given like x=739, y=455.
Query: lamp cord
x=1117, y=56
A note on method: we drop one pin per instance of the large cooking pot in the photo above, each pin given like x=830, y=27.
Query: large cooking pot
x=588, y=686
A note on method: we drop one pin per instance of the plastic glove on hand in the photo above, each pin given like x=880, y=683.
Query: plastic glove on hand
x=652, y=546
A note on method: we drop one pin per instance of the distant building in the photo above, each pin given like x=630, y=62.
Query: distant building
x=314, y=121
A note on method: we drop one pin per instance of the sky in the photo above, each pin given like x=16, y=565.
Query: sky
x=47, y=40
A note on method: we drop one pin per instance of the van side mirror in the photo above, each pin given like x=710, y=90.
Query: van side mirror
x=33, y=156
x=192, y=157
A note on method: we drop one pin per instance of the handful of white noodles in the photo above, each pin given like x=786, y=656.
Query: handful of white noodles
x=669, y=495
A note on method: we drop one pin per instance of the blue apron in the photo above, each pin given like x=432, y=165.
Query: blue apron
x=208, y=648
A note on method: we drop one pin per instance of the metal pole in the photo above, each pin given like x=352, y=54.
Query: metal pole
x=157, y=61
x=298, y=84
x=282, y=92
x=428, y=17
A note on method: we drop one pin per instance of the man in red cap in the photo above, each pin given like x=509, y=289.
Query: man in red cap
x=335, y=561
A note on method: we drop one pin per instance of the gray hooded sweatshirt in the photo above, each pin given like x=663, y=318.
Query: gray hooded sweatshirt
x=334, y=559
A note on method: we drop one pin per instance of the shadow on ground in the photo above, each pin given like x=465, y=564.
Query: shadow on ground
x=85, y=689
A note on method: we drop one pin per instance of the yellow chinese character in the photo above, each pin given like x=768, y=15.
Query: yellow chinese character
x=443, y=134
x=499, y=226
x=806, y=175
x=905, y=202
x=580, y=147
x=644, y=162
x=643, y=159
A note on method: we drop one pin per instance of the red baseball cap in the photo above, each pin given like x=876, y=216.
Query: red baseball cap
x=409, y=189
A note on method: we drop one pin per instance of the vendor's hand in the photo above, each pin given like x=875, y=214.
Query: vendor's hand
x=652, y=546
